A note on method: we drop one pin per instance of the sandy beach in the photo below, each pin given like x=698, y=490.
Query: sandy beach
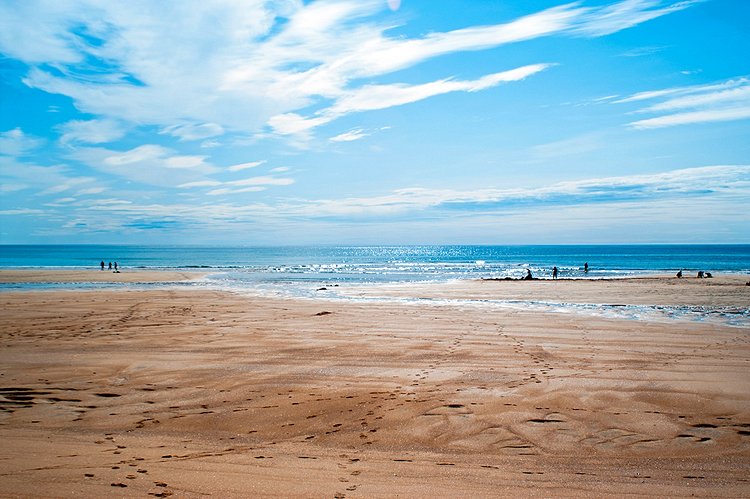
x=194, y=392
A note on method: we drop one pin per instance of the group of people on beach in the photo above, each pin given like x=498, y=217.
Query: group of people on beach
x=701, y=274
x=529, y=277
x=113, y=269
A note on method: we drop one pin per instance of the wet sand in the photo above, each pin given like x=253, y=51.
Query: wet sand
x=727, y=290
x=125, y=275
x=189, y=392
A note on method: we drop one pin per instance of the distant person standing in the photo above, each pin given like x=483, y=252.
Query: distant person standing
x=102, y=265
x=116, y=267
x=554, y=272
x=110, y=265
x=679, y=274
x=586, y=268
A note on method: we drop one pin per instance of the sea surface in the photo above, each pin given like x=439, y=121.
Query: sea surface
x=301, y=271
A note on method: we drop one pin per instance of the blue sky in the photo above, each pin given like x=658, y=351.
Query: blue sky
x=375, y=122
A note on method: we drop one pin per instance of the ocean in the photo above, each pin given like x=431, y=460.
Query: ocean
x=394, y=262
x=300, y=271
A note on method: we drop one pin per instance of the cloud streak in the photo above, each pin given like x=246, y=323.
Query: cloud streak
x=374, y=97
x=724, y=101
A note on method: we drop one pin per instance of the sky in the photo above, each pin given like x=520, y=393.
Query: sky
x=252, y=122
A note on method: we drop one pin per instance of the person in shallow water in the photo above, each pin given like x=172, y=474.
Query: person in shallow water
x=528, y=275
x=102, y=264
x=586, y=267
x=554, y=272
x=679, y=274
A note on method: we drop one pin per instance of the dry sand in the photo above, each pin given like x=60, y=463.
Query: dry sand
x=187, y=392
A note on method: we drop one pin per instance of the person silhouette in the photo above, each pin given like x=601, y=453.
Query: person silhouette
x=102, y=264
x=586, y=267
x=110, y=265
x=679, y=274
x=528, y=275
x=554, y=272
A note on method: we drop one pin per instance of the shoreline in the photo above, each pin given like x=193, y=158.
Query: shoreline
x=205, y=392
x=722, y=300
x=96, y=275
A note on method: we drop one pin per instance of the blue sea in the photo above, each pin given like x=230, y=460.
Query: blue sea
x=302, y=270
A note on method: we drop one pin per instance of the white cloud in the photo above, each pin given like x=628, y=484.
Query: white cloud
x=692, y=89
x=692, y=117
x=199, y=183
x=251, y=184
x=22, y=211
x=263, y=180
x=194, y=131
x=226, y=190
x=294, y=124
x=733, y=96
x=18, y=176
x=350, y=136
x=626, y=14
x=16, y=143
x=150, y=164
x=373, y=97
x=725, y=101
x=90, y=132
x=90, y=191
x=239, y=66
x=157, y=156
x=66, y=185
x=245, y=166
x=208, y=144
x=572, y=146
x=12, y=187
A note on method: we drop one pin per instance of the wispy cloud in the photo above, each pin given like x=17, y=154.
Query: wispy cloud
x=90, y=131
x=373, y=97
x=350, y=136
x=626, y=14
x=690, y=182
x=725, y=101
x=18, y=175
x=194, y=131
x=22, y=211
x=251, y=184
x=245, y=166
x=268, y=64
x=16, y=143
x=149, y=164
x=572, y=146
